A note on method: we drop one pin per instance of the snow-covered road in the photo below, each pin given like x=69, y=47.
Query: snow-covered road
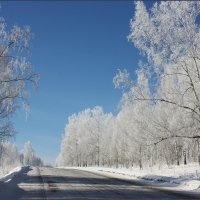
x=53, y=183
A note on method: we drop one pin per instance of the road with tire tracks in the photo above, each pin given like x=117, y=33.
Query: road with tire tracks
x=44, y=183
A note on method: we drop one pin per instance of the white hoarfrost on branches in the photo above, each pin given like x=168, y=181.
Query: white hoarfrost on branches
x=11, y=158
x=29, y=157
x=169, y=37
x=84, y=139
x=159, y=118
x=122, y=79
x=15, y=73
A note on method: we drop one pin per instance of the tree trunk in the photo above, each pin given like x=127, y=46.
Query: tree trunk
x=140, y=159
x=184, y=156
x=177, y=156
x=198, y=146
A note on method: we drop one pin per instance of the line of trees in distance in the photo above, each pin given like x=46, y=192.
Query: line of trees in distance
x=10, y=157
x=17, y=77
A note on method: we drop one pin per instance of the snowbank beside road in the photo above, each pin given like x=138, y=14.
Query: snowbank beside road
x=8, y=177
x=184, y=177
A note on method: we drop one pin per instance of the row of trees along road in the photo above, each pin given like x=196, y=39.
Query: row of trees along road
x=158, y=122
x=16, y=74
x=10, y=157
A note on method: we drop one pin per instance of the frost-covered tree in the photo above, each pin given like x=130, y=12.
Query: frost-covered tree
x=9, y=157
x=15, y=73
x=28, y=153
x=168, y=35
x=159, y=115
x=29, y=157
x=85, y=138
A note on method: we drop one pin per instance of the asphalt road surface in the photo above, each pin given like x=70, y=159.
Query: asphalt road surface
x=51, y=183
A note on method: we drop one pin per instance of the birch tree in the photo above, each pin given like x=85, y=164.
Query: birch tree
x=29, y=157
x=15, y=73
x=168, y=35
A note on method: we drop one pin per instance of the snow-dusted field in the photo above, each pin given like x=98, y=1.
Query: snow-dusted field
x=183, y=177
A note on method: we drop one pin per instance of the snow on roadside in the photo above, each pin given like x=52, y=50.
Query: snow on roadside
x=8, y=177
x=183, y=177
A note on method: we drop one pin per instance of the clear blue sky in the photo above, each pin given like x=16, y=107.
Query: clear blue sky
x=77, y=49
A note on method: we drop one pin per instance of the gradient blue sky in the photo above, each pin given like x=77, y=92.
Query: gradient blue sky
x=77, y=49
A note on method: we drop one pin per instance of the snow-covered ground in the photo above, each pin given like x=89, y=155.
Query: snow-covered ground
x=183, y=177
x=7, y=177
